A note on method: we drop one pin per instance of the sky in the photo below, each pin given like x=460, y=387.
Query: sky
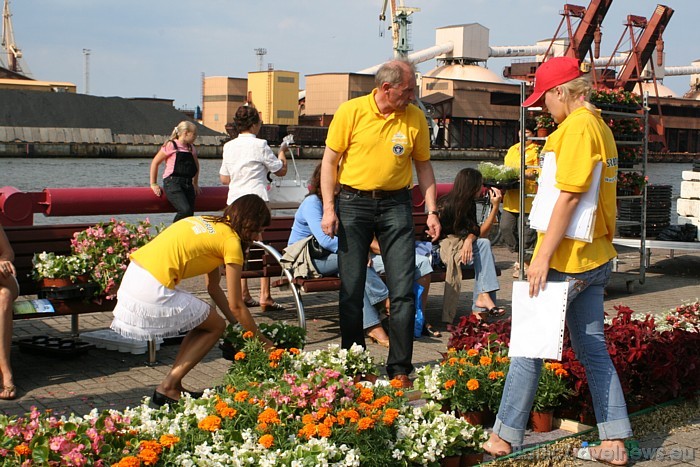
x=161, y=48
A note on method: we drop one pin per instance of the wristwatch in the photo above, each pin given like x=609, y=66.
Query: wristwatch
x=434, y=212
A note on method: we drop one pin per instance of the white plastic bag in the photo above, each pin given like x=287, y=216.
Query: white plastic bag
x=286, y=193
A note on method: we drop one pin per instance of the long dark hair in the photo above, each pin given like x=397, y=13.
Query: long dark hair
x=247, y=216
x=459, y=202
x=315, y=182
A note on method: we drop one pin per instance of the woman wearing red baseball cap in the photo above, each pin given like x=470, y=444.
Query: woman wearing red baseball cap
x=579, y=143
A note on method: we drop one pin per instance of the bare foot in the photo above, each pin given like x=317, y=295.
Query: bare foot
x=496, y=446
x=378, y=335
x=611, y=452
x=484, y=301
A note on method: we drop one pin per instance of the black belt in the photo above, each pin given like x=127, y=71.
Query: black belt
x=374, y=194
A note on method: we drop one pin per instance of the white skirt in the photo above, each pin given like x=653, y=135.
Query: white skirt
x=147, y=310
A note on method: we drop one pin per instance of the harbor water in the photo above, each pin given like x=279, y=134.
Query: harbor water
x=35, y=174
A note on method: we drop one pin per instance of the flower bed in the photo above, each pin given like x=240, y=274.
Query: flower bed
x=282, y=408
x=656, y=357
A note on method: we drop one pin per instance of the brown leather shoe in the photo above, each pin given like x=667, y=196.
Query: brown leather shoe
x=405, y=382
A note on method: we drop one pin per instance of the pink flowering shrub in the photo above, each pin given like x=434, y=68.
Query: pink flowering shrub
x=108, y=246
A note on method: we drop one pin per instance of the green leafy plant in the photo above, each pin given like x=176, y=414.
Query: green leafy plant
x=498, y=173
x=53, y=266
x=283, y=335
x=545, y=121
x=553, y=387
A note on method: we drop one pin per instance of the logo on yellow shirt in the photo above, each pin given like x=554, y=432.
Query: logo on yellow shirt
x=399, y=140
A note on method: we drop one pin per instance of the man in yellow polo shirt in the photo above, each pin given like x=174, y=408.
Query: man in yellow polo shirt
x=371, y=145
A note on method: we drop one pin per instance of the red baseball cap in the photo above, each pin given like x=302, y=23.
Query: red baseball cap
x=553, y=72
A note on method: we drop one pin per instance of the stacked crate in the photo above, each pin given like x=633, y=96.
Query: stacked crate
x=688, y=205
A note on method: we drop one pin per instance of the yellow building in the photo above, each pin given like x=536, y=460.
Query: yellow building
x=275, y=93
x=221, y=98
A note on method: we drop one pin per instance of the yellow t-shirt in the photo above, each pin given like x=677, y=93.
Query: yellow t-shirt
x=511, y=200
x=580, y=141
x=190, y=247
x=376, y=151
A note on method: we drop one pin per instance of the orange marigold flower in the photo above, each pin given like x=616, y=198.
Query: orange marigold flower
x=22, y=450
x=502, y=359
x=129, y=461
x=472, y=384
x=294, y=351
x=321, y=413
x=556, y=366
x=266, y=441
x=269, y=415
x=239, y=356
x=562, y=373
x=274, y=364
x=450, y=383
x=381, y=402
x=472, y=353
x=365, y=423
x=308, y=431
x=168, y=441
x=148, y=457
x=452, y=361
x=210, y=423
x=330, y=420
x=496, y=374
x=389, y=416
x=395, y=383
x=399, y=393
x=307, y=418
x=152, y=445
x=276, y=354
x=484, y=360
x=248, y=334
x=323, y=431
x=366, y=395
x=240, y=396
x=228, y=412
x=230, y=389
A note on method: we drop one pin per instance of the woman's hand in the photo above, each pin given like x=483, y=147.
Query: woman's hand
x=496, y=196
x=156, y=189
x=7, y=269
x=197, y=189
x=466, y=253
x=537, y=275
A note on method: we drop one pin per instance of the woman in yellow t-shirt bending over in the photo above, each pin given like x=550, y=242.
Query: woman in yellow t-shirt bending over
x=581, y=141
x=151, y=306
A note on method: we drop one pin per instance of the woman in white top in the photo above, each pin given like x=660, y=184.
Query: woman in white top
x=247, y=161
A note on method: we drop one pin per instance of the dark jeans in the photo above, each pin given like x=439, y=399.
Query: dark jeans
x=391, y=220
x=180, y=193
x=510, y=226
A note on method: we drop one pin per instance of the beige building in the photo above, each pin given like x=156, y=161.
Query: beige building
x=275, y=93
x=34, y=85
x=222, y=96
x=326, y=91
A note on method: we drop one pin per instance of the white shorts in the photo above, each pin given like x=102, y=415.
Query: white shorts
x=147, y=310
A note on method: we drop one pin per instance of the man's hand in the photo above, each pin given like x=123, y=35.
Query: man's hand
x=434, y=227
x=329, y=223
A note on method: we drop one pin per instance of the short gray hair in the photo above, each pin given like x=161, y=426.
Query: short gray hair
x=392, y=72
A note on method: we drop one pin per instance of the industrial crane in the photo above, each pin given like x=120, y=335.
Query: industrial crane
x=14, y=54
x=399, y=25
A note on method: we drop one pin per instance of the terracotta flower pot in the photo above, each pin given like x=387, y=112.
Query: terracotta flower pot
x=541, y=421
x=55, y=282
x=365, y=377
x=542, y=132
x=472, y=458
x=451, y=461
x=473, y=417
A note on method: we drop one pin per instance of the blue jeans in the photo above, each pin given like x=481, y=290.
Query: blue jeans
x=484, y=265
x=584, y=318
x=180, y=193
x=390, y=219
x=375, y=289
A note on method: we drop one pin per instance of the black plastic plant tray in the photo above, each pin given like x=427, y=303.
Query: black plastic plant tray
x=55, y=346
x=68, y=292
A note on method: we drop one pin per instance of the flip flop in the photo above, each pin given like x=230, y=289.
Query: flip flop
x=251, y=302
x=430, y=332
x=496, y=311
x=11, y=392
x=274, y=306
